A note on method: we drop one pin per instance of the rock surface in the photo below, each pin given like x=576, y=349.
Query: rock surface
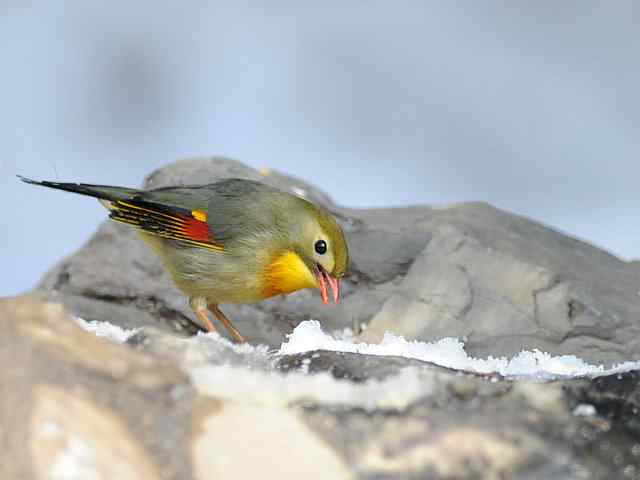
x=503, y=282
x=74, y=406
x=168, y=405
x=62, y=398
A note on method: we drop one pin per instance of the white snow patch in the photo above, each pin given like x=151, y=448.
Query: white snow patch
x=242, y=348
x=75, y=462
x=584, y=410
x=446, y=352
x=450, y=353
x=106, y=330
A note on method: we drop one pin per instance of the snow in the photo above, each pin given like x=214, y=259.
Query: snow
x=75, y=460
x=106, y=330
x=450, y=353
x=220, y=368
x=309, y=336
x=584, y=410
x=241, y=348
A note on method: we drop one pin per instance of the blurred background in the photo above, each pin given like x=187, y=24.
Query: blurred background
x=531, y=106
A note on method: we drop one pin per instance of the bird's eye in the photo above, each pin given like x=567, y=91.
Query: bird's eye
x=321, y=247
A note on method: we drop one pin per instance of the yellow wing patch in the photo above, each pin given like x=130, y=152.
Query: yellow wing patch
x=199, y=215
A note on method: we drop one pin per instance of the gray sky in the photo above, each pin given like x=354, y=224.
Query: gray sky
x=531, y=106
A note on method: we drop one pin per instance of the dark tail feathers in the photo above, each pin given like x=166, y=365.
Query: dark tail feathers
x=105, y=192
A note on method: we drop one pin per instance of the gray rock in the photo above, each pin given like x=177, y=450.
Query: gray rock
x=471, y=426
x=349, y=366
x=615, y=397
x=505, y=284
x=452, y=425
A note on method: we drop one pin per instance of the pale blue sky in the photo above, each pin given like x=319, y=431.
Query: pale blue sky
x=531, y=106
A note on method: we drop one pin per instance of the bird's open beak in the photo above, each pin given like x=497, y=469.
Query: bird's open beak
x=325, y=279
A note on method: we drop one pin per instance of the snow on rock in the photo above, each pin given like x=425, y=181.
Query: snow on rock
x=450, y=353
x=585, y=410
x=74, y=460
x=446, y=352
x=106, y=330
x=205, y=338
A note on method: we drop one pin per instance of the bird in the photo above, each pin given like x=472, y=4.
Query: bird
x=233, y=241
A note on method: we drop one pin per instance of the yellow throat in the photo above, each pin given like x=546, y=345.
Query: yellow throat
x=287, y=273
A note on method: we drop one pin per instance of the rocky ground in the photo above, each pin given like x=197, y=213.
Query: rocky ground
x=164, y=404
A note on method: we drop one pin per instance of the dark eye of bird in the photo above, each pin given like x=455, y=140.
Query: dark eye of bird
x=321, y=247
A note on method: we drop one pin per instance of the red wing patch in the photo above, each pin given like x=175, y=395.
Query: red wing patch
x=197, y=230
x=188, y=226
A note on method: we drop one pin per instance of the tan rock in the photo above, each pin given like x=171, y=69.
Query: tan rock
x=450, y=455
x=245, y=441
x=74, y=439
x=49, y=325
x=76, y=406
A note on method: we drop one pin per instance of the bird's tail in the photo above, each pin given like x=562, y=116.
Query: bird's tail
x=101, y=192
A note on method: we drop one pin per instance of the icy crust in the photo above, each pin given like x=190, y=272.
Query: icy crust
x=450, y=353
x=106, y=330
x=309, y=336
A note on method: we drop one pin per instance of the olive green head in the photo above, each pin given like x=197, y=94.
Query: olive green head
x=330, y=246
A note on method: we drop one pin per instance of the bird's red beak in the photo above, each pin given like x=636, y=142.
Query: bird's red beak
x=325, y=279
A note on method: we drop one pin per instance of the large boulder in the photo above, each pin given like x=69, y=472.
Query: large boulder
x=505, y=283
x=498, y=280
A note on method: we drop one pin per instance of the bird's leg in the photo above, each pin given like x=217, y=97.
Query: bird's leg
x=227, y=324
x=199, y=307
